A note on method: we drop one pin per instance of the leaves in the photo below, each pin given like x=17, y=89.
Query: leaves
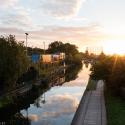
x=13, y=61
x=112, y=70
x=72, y=54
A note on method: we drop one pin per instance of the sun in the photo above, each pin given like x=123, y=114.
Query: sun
x=114, y=47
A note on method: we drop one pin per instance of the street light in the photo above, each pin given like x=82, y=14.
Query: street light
x=26, y=42
x=44, y=46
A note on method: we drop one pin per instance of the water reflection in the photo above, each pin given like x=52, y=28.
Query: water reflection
x=86, y=65
x=53, y=103
x=72, y=72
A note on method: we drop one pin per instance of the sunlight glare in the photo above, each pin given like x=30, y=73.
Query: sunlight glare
x=114, y=47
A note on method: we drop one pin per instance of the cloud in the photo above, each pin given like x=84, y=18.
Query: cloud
x=5, y=30
x=85, y=34
x=79, y=19
x=33, y=117
x=7, y=3
x=59, y=108
x=59, y=105
x=60, y=8
x=80, y=35
x=19, y=18
x=76, y=83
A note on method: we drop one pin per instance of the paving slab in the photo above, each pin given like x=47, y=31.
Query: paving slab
x=91, y=110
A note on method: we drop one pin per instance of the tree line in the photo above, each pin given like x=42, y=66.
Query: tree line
x=112, y=70
x=14, y=62
x=73, y=56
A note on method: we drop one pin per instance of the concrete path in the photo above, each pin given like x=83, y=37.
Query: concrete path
x=91, y=110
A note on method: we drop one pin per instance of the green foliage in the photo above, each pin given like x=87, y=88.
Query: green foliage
x=115, y=108
x=13, y=61
x=91, y=85
x=34, y=51
x=28, y=76
x=72, y=72
x=117, y=76
x=55, y=47
x=74, y=59
x=72, y=54
x=101, y=69
x=58, y=46
x=112, y=70
x=5, y=101
x=86, y=54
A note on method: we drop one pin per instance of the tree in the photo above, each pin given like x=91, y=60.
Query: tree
x=35, y=51
x=100, y=70
x=67, y=48
x=13, y=61
x=86, y=55
x=112, y=70
x=55, y=47
x=72, y=54
x=28, y=76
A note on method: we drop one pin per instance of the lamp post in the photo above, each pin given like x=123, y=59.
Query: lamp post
x=26, y=42
x=44, y=46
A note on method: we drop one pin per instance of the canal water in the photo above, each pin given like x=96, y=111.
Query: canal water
x=58, y=105
x=54, y=103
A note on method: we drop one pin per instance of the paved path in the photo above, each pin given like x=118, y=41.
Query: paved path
x=91, y=110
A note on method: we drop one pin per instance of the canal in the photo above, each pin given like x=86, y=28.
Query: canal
x=55, y=105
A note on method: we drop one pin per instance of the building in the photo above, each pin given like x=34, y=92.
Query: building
x=47, y=58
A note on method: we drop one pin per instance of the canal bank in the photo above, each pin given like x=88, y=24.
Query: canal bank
x=91, y=110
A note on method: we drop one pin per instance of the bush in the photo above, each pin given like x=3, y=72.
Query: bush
x=13, y=61
x=112, y=70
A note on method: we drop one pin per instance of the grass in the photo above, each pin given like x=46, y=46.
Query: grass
x=115, y=107
x=5, y=101
x=91, y=85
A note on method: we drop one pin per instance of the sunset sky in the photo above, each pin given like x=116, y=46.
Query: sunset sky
x=82, y=22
